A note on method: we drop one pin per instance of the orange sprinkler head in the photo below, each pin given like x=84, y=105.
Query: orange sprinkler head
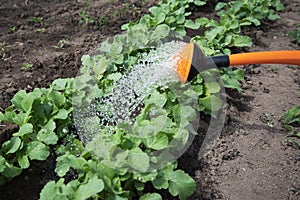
x=184, y=62
x=191, y=61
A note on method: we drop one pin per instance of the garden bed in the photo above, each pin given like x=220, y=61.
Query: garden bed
x=252, y=160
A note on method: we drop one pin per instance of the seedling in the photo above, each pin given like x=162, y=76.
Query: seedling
x=27, y=66
x=291, y=120
x=85, y=20
x=61, y=44
x=5, y=47
x=267, y=118
x=37, y=20
x=41, y=30
x=274, y=70
x=12, y=29
x=104, y=20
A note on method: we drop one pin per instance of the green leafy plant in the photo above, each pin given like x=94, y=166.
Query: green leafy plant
x=291, y=120
x=171, y=13
x=36, y=114
x=225, y=33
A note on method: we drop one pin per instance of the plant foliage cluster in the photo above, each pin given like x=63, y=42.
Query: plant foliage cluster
x=291, y=122
x=44, y=116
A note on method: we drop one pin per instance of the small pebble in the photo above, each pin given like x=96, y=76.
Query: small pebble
x=266, y=90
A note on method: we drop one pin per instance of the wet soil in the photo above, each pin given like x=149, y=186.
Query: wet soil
x=251, y=160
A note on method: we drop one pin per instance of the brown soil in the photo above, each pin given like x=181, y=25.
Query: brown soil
x=251, y=159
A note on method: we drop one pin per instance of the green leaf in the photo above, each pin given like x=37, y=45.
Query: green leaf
x=273, y=16
x=1, y=117
x=116, y=197
x=60, y=83
x=279, y=6
x=101, y=66
x=187, y=114
x=160, y=18
x=62, y=114
x=17, y=99
x=114, y=76
x=253, y=20
x=160, y=32
x=181, y=31
x=49, y=191
x=234, y=24
x=160, y=141
x=20, y=118
x=213, y=87
x=203, y=21
x=228, y=40
x=24, y=130
x=230, y=82
x=57, y=97
x=157, y=98
x=12, y=145
x=37, y=151
x=91, y=188
x=67, y=161
x=151, y=196
x=191, y=24
x=237, y=74
x=212, y=34
x=138, y=160
x=139, y=185
x=160, y=183
x=170, y=19
x=47, y=134
x=292, y=116
x=211, y=103
x=295, y=35
x=158, y=123
x=199, y=2
x=11, y=171
x=2, y=164
x=23, y=161
x=155, y=10
x=180, y=184
x=242, y=41
x=220, y=5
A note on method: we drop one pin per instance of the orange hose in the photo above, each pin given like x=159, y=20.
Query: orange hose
x=267, y=57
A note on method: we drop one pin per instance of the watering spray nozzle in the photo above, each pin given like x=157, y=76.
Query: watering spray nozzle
x=191, y=60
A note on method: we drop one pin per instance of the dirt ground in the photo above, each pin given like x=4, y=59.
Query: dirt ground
x=251, y=160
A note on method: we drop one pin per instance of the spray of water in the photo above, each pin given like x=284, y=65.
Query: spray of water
x=156, y=68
